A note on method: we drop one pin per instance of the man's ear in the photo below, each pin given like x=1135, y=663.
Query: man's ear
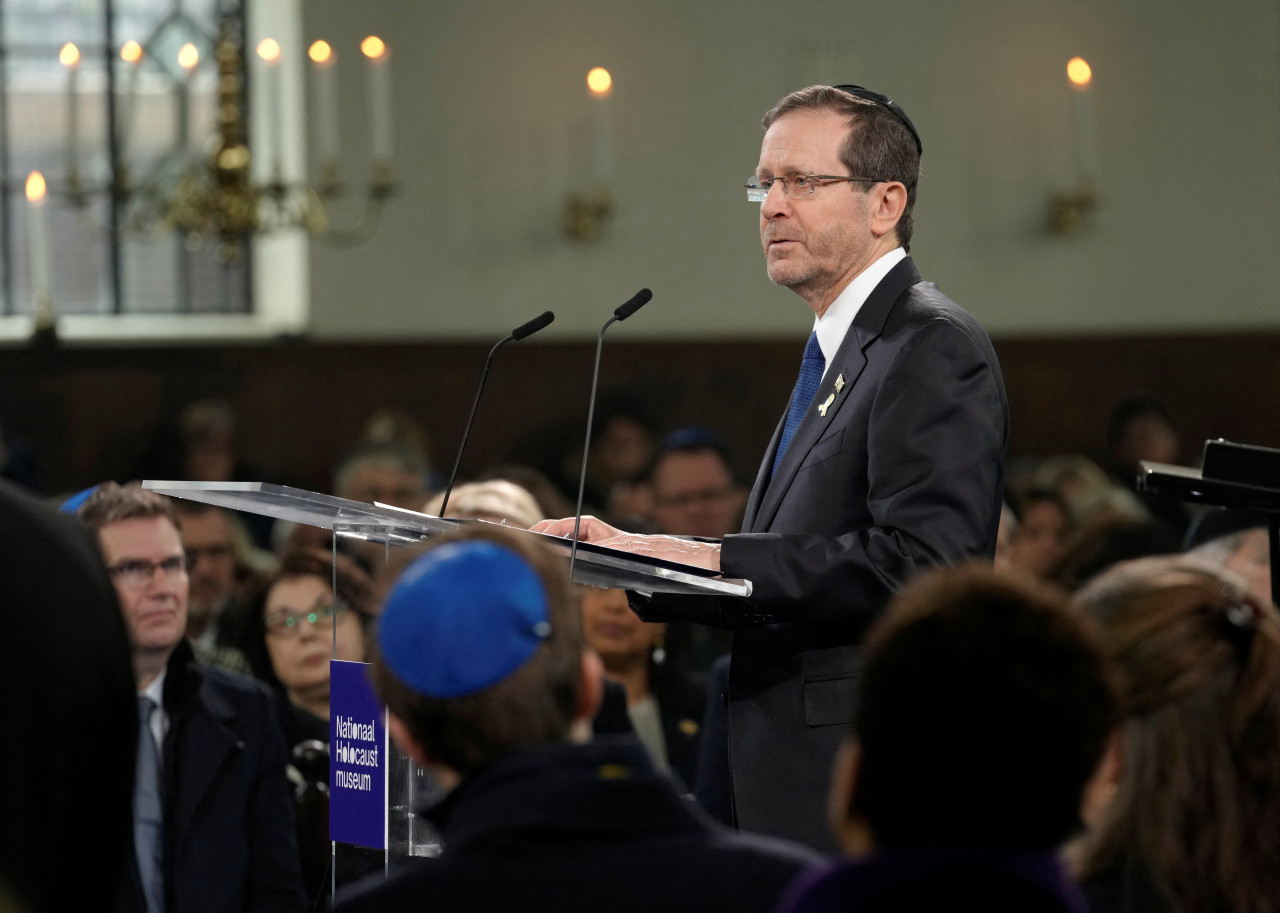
x=848, y=826
x=888, y=201
x=592, y=686
x=404, y=738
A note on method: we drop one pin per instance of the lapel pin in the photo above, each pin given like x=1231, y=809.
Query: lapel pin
x=822, y=410
x=839, y=383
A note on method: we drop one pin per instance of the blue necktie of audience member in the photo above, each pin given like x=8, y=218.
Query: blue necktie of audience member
x=811, y=368
x=147, y=813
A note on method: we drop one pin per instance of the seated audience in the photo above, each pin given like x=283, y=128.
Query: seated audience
x=664, y=702
x=489, y=684
x=1193, y=823
x=695, y=486
x=1044, y=524
x=213, y=819
x=386, y=472
x=984, y=708
x=497, y=501
x=208, y=537
x=292, y=624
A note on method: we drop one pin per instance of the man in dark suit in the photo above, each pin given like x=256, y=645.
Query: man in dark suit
x=489, y=683
x=213, y=818
x=890, y=457
x=69, y=719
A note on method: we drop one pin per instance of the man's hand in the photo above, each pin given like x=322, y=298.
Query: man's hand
x=668, y=548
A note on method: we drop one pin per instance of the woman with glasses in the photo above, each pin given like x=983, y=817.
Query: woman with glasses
x=294, y=626
x=1190, y=819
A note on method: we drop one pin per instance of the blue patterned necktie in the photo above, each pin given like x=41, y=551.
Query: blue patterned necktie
x=811, y=368
x=147, y=814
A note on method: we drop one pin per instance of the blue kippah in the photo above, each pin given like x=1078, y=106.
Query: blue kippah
x=462, y=618
x=76, y=501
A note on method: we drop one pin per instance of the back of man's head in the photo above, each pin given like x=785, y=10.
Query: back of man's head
x=480, y=649
x=984, y=707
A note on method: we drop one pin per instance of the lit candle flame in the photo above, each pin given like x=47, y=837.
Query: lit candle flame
x=131, y=52
x=320, y=52
x=269, y=50
x=35, y=187
x=188, y=57
x=69, y=56
x=599, y=81
x=1079, y=72
x=373, y=47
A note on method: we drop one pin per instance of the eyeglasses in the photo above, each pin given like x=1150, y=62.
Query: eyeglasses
x=137, y=574
x=287, y=624
x=795, y=186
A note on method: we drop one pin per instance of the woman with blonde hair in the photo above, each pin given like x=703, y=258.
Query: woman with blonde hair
x=1192, y=824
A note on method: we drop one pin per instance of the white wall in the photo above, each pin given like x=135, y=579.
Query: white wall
x=492, y=126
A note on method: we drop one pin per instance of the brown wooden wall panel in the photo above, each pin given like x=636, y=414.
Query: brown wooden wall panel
x=95, y=413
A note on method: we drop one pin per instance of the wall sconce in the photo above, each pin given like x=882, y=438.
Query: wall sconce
x=1070, y=211
x=586, y=215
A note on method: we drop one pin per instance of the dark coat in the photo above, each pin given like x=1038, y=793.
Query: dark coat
x=906, y=880
x=562, y=827
x=70, y=718
x=902, y=470
x=229, y=841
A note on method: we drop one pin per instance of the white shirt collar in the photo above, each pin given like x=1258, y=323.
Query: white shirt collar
x=833, y=325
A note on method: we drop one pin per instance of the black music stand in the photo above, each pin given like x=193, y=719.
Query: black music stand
x=1237, y=476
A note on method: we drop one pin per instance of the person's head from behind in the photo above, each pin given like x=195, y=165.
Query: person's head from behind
x=295, y=616
x=480, y=652
x=141, y=546
x=1199, y=659
x=984, y=708
x=1237, y=541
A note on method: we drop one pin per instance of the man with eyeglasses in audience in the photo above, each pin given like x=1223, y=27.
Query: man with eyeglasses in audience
x=213, y=818
x=889, y=458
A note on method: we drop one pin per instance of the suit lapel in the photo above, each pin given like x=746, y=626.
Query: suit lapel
x=843, y=372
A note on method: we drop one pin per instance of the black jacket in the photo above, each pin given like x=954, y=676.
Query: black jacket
x=564, y=827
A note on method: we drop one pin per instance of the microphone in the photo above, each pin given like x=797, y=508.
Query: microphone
x=621, y=312
x=523, y=331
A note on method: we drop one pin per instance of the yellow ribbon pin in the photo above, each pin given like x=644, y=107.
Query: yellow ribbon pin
x=822, y=410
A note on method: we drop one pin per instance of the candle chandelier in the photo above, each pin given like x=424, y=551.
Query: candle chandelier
x=212, y=196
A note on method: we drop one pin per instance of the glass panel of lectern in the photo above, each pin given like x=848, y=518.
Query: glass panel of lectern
x=359, y=797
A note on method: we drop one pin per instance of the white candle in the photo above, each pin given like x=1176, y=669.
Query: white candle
x=69, y=57
x=38, y=231
x=600, y=84
x=188, y=59
x=269, y=53
x=131, y=54
x=324, y=86
x=1080, y=76
x=378, y=56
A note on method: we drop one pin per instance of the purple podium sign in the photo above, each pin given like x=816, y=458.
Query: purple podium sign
x=357, y=758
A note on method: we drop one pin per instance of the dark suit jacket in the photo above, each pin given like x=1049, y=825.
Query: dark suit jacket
x=563, y=828
x=903, y=471
x=70, y=720
x=229, y=841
